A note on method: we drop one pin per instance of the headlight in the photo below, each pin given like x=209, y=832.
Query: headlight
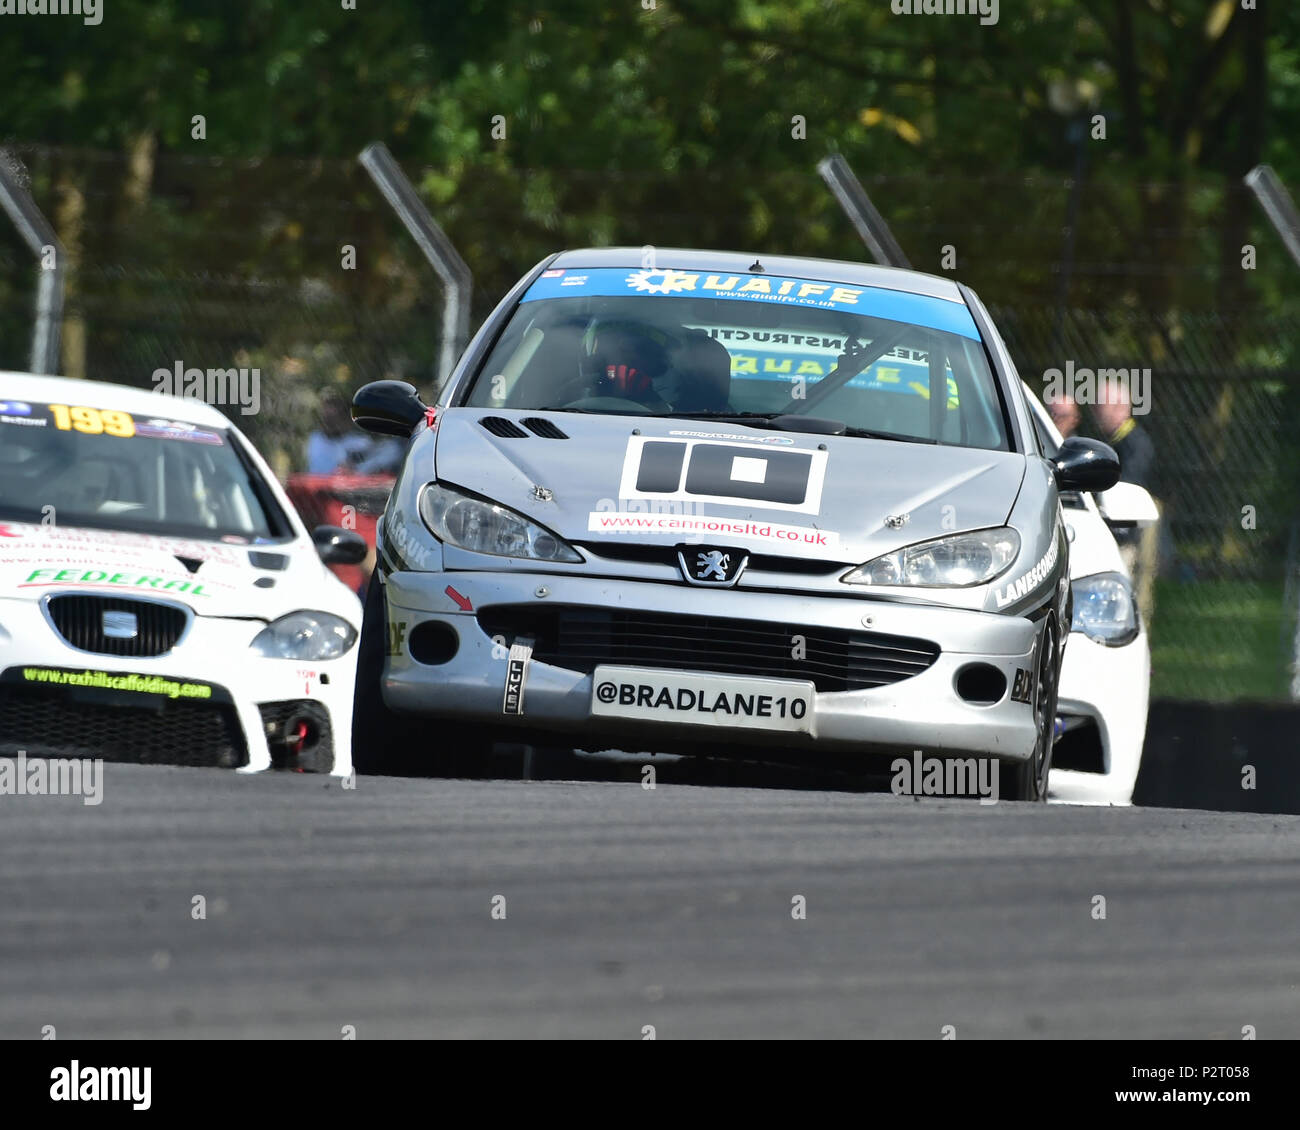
x=484, y=527
x=1104, y=609
x=953, y=562
x=305, y=635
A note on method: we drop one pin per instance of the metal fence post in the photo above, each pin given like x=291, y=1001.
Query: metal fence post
x=1279, y=207
x=870, y=224
x=40, y=238
x=437, y=248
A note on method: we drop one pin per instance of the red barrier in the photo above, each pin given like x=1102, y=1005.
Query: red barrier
x=351, y=501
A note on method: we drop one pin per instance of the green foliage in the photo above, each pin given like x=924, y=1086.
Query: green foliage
x=621, y=119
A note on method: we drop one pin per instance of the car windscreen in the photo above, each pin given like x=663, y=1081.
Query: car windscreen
x=673, y=343
x=107, y=469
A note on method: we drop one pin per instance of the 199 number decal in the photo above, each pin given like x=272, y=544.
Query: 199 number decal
x=93, y=421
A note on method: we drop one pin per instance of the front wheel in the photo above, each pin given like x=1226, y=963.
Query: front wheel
x=1027, y=780
x=385, y=741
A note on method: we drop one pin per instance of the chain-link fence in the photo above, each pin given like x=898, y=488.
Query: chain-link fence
x=298, y=269
x=1225, y=478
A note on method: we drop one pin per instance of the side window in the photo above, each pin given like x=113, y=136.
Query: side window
x=1046, y=446
x=1043, y=441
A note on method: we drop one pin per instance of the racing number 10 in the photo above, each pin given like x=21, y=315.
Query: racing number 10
x=798, y=708
x=93, y=421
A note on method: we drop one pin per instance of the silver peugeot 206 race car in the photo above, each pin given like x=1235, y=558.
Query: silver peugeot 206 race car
x=723, y=505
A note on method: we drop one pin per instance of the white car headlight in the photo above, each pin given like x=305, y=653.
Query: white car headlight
x=305, y=635
x=1104, y=609
x=959, y=561
x=484, y=527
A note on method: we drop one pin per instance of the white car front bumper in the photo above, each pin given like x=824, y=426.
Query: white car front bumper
x=1119, y=678
x=210, y=700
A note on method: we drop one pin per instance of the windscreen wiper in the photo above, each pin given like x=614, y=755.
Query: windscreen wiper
x=853, y=362
x=738, y=417
x=797, y=422
x=781, y=421
x=867, y=433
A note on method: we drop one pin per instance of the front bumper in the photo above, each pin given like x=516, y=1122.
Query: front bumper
x=226, y=706
x=922, y=712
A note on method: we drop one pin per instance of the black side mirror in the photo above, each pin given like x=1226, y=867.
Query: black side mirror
x=1085, y=464
x=338, y=546
x=388, y=408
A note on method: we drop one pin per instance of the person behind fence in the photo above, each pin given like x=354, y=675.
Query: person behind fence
x=383, y=457
x=335, y=446
x=1065, y=414
x=1137, y=463
x=1137, y=454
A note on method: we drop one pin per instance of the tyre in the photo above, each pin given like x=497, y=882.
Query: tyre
x=386, y=741
x=1027, y=780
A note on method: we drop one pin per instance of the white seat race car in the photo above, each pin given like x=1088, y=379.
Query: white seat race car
x=1101, y=711
x=160, y=599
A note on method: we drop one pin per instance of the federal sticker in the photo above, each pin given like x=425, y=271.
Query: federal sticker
x=104, y=578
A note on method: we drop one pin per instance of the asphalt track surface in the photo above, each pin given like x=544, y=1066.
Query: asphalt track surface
x=626, y=907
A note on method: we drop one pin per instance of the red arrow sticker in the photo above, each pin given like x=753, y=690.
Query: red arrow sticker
x=466, y=605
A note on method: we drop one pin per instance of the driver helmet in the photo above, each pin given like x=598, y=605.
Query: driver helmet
x=619, y=359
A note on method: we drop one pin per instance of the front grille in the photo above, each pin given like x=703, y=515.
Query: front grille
x=579, y=638
x=79, y=620
x=46, y=723
x=667, y=555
